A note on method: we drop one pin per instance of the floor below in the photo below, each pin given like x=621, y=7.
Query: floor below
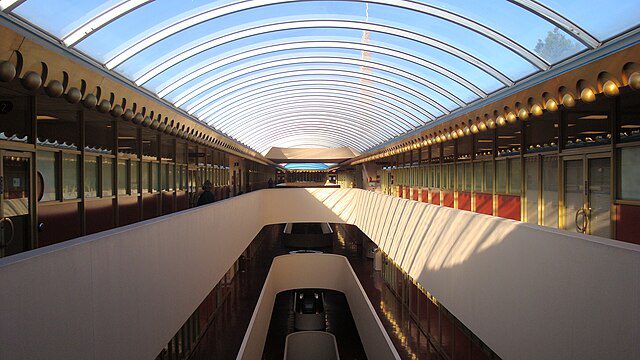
x=223, y=337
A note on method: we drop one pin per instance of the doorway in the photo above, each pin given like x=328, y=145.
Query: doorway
x=587, y=194
x=16, y=202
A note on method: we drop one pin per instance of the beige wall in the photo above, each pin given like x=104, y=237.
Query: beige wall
x=320, y=271
x=528, y=292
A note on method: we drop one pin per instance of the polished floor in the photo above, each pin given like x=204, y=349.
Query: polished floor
x=224, y=336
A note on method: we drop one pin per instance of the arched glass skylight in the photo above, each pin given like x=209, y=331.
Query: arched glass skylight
x=326, y=73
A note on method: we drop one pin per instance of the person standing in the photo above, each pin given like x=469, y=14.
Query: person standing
x=207, y=196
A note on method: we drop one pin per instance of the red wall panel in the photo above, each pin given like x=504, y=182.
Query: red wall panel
x=100, y=215
x=484, y=203
x=448, y=198
x=464, y=201
x=509, y=207
x=128, y=210
x=425, y=195
x=400, y=191
x=627, y=218
x=414, y=196
x=61, y=222
x=435, y=197
x=149, y=206
x=407, y=192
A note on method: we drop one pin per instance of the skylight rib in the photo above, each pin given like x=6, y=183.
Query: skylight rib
x=180, y=55
x=308, y=123
x=560, y=21
x=291, y=117
x=191, y=74
x=295, y=97
x=216, y=79
x=102, y=19
x=181, y=23
x=210, y=110
x=364, y=116
x=224, y=90
x=8, y=5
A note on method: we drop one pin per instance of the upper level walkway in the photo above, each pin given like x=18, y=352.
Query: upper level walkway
x=527, y=291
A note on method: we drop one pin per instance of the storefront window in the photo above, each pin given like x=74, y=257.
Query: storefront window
x=48, y=175
x=488, y=177
x=514, y=176
x=550, y=191
x=107, y=176
x=146, y=182
x=531, y=189
x=501, y=177
x=477, y=177
x=122, y=177
x=629, y=173
x=71, y=176
x=135, y=172
x=91, y=171
x=468, y=176
x=155, y=176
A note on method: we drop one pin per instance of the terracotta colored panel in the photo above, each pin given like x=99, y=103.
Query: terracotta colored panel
x=484, y=203
x=407, y=193
x=400, y=191
x=425, y=195
x=100, y=215
x=462, y=346
x=128, y=211
x=447, y=198
x=464, y=201
x=182, y=200
x=509, y=207
x=435, y=197
x=423, y=304
x=446, y=332
x=414, y=194
x=434, y=321
x=413, y=300
x=167, y=202
x=149, y=206
x=627, y=218
x=60, y=222
x=477, y=353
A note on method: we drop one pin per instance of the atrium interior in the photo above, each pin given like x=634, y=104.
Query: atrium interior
x=319, y=179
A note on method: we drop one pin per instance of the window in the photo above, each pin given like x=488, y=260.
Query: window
x=550, y=191
x=71, y=176
x=91, y=171
x=468, y=176
x=488, y=177
x=531, y=189
x=122, y=177
x=135, y=172
x=155, y=176
x=146, y=181
x=501, y=177
x=629, y=173
x=451, y=169
x=629, y=119
x=48, y=170
x=107, y=176
x=477, y=177
x=514, y=176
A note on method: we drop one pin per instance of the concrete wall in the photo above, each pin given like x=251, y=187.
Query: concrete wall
x=529, y=292
x=321, y=271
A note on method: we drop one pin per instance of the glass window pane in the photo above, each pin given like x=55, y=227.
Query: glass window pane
x=477, y=177
x=155, y=176
x=488, y=177
x=531, y=189
x=135, y=172
x=514, y=176
x=122, y=177
x=107, y=176
x=71, y=178
x=451, y=170
x=145, y=177
x=91, y=171
x=48, y=171
x=629, y=173
x=468, y=176
x=550, y=191
x=501, y=177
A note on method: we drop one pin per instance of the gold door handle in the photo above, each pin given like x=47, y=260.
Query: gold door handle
x=4, y=243
x=581, y=212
